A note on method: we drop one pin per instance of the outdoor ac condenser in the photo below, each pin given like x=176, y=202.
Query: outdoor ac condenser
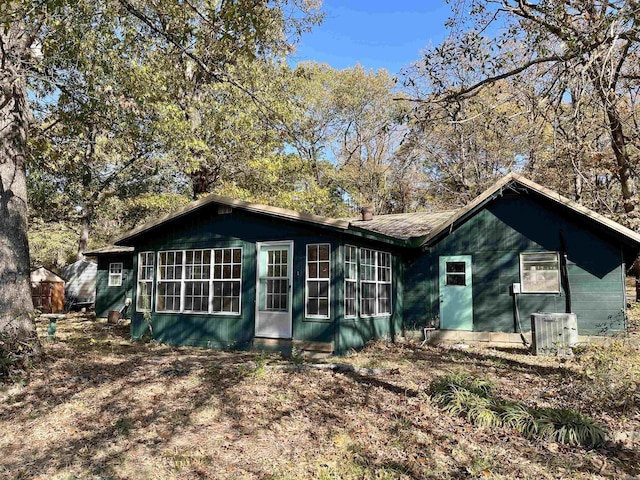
x=553, y=333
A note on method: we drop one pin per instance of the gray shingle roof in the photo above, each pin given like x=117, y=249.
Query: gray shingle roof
x=109, y=249
x=403, y=225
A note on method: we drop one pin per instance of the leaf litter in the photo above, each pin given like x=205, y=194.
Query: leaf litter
x=100, y=406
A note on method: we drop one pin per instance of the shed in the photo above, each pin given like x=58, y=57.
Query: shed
x=47, y=290
x=80, y=289
x=224, y=273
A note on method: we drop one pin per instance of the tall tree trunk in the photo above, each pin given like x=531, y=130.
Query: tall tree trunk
x=89, y=206
x=85, y=229
x=16, y=308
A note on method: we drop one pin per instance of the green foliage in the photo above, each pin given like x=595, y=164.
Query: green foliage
x=569, y=427
x=472, y=398
x=461, y=381
x=123, y=426
x=51, y=244
x=297, y=356
x=257, y=368
x=520, y=418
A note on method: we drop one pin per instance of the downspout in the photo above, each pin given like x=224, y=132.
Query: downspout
x=564, y=272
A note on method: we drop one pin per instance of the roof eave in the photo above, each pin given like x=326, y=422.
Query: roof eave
x=275, y=212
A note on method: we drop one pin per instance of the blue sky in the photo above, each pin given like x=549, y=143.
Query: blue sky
x=375, y=33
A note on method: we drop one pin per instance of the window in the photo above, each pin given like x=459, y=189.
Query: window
x=375, y=282
x=200, y=281
x=145, y=281
x=455, y=274
x=115, y=274
x=197, y=268
x=350, y=281
x=169, y=282
x=540, y=272
x=227, y=277
x=318, y=267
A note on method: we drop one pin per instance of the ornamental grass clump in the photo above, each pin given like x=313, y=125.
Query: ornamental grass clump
x=472, y=398
x=569, y=427
x=459, y=394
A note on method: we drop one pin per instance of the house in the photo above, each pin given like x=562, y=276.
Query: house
x=114, y=279
x=80, y=289
x=47, y=291
x=225, y=273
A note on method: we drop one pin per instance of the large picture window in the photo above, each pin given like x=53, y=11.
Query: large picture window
x=200, y=281
x=145, y=281
x=540, y=272
x=318, y=276
x=115, y=274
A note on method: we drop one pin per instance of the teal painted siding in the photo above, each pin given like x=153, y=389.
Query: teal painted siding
x=354, y=333
x=113, y=298
x=207, y=229
x=495, y=237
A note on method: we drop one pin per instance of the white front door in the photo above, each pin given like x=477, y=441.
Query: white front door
x=273, y=289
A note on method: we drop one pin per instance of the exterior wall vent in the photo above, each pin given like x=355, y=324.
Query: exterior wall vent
x=553, y=333
x=224, y=210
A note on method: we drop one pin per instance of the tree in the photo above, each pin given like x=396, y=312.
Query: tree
x=18, y=48
x=587, y=50
x=212, y=34
x=348, y=130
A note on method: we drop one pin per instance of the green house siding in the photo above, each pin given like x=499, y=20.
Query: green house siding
x=113, y=298
x=207, y=229
x=354, y=333
x=495, y=237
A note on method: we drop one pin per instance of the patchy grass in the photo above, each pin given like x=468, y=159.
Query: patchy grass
x=102, y=407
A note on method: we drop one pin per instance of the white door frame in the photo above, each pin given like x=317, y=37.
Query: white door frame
x=277, y=324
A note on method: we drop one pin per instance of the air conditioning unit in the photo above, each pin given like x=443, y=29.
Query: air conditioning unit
x=553, y=333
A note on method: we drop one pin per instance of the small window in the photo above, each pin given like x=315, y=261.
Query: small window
x=540, y=272
x=456, y=274
x=115, y=274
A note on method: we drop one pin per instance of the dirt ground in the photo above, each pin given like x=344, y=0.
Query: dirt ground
x=101, y=407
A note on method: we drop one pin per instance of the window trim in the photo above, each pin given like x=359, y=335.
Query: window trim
x=174, y=280
x=317, y=279
x=212, y=280
x=354, y=280
x=376, y=283
x=151, y=281
x=183, y=281
x=522, y=283
x=117, y=275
